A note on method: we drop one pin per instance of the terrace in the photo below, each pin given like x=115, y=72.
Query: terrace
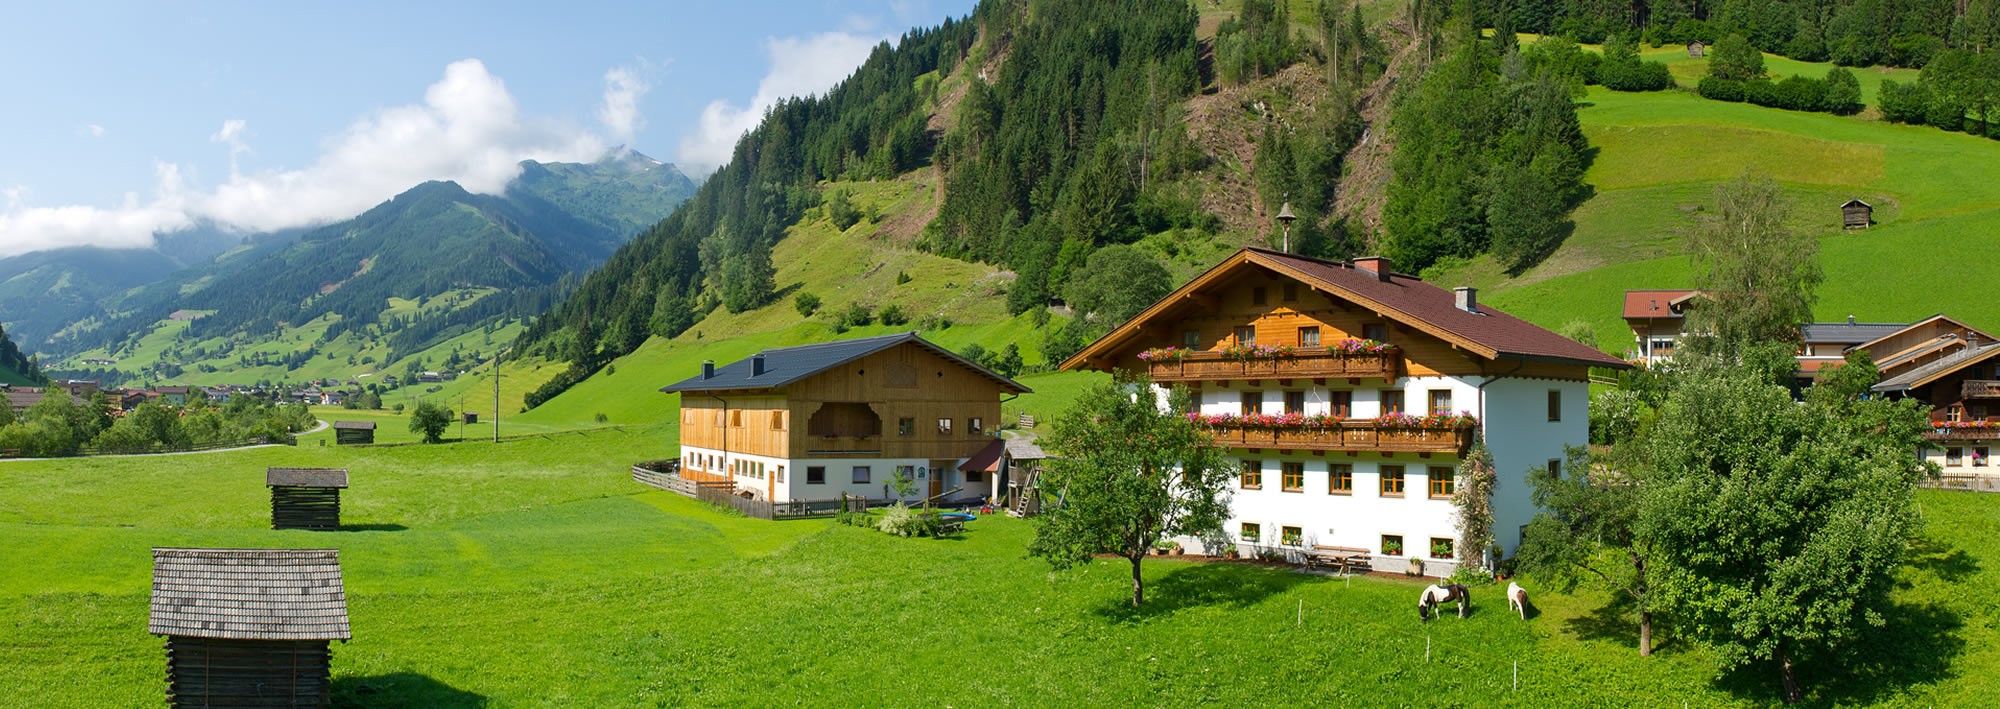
x=1979, y=389
x=1452, y=438
x=1301, y=363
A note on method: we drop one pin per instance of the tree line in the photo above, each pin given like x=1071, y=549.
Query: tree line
x=1904, y=33
x=60, y=426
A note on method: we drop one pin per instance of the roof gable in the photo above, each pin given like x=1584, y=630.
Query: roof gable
x=1659, y=303
x=785, y=366
x=1926, y=322
x=1933, y=371
x=249, y=594
x=1488, y=333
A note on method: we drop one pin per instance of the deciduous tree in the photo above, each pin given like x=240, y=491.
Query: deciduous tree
x=1757, y=274
x=430, y=420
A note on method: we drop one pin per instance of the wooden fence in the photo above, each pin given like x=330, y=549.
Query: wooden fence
x=1975, y=483
x=665, y=475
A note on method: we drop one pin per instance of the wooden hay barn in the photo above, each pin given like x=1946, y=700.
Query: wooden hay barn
x=1856, y=214
x=248, y=627
x=305, y=498
x=469, y=417
x=349, y=433
x=1696, y=49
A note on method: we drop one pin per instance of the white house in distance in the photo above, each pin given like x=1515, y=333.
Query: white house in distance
x=1349, y=394
x=817, y=421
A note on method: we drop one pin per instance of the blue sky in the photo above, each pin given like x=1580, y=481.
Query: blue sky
x=130, y=118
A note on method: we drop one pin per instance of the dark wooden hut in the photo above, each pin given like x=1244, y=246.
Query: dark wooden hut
x=469, y=417
x=305, y=498
x=1856, y=214
x=349, y=433
x=1696, y=49
x=248, y=627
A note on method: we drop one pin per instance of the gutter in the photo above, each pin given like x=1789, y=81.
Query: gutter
x=725, y=435
x=1519, y=364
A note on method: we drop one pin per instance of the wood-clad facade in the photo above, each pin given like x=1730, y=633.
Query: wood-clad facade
x=1349, y=394
x=851, y=423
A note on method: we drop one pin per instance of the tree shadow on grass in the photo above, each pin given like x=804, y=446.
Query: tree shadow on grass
x=1950, y=563
x=1197, y=585
x=1917, y=645
x=1617, y=620
x=372, y=528
x=401, y=689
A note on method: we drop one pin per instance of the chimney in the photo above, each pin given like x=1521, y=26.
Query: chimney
x=1378, y=265
x=708, y=369
x=757, y=365
x=1468, y=298
x=1850, y=320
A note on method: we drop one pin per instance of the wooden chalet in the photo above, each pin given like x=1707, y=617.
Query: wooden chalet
x=1349, y=393
x=1655, y=317
x=348, y=433
x=305, y=498
x=248, y=627
x=1963, y=389
x=823, y=421
x=1856, y=214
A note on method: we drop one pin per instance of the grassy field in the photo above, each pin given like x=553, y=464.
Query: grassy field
x=535, y=573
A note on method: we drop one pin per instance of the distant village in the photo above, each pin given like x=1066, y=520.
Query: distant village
x=323, y=392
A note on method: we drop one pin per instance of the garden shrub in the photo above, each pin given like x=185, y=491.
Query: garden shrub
x=1720, y=89
x=1634, y=75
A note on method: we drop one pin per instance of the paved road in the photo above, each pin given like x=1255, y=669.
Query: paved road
x=316, y=429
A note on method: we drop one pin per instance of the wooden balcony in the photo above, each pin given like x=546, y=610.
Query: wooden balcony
x=1308, y=363
x=1979, y=389
x=1356, y=436
x=1943, y=433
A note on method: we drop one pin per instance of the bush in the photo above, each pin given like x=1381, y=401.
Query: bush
x=806, y=303
x=893, y=315
x=1903, y=103
x=1842, y=92
x=1943, y=112
x=904, y=521
x=1634, y=75
x=1720, y=89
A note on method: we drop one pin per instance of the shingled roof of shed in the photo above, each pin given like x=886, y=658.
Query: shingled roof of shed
x=249, y=594
x=305, y=477
x=355, y=425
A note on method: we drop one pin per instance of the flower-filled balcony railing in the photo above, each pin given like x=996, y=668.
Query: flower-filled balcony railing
x=1977, y=430
x=1346, y=358
x=1450, y=433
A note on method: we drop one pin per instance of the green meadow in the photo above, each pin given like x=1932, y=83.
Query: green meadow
x=534, y=572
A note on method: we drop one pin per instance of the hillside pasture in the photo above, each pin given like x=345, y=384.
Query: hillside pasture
x=536, y=573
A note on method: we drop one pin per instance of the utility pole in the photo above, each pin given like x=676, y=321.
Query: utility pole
x=496, y=396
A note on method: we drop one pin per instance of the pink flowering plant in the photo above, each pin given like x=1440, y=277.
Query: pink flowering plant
x=1166, y=354
x=1966, y=425
x=1462, y=419
x=1351, y=346
x=1271, y=421
x=1246, y=353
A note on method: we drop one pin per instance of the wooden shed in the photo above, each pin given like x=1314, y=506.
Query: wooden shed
x=469, y=417
x=1696, y=49
x=248, y=627
x=349, y=433
x=1856, y=214
x=305, y=498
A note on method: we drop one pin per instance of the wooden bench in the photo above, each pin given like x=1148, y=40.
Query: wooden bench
x=1342, y=559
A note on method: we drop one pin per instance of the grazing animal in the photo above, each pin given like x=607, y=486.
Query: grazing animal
x=1518, y=598
x=1450, y=593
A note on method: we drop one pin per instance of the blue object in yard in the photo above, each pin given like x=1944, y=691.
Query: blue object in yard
x=956, y=517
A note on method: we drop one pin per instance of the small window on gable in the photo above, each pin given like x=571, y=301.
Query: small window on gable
x=944, y=427
x=1246, y=335
x=976, y=426
x=1291, y=291
x=736, y=419
x=777, y=420
x=1257, y=296
x=1309, y=336
x=906, y=426
x=1376, y=331
x=1555, y=405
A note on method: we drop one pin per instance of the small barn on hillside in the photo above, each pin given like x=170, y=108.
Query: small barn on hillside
x=248, y=627
x=305, y=498
x=469, y=417
x=349, y=433
x=1696, y=49
x=1856, y=214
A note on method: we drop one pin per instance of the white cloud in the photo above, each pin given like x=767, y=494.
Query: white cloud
x=799, y=67
x=468, y=129
x=620, y=112
x=90, y=129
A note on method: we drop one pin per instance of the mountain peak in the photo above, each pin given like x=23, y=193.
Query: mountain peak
x=628, y=158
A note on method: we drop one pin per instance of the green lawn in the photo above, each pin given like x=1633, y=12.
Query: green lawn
x=535, y=573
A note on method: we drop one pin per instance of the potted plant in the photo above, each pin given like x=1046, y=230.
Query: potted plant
x=1440, y=550
x=1392, y=548
x=1229, y=552
x=1416, y=567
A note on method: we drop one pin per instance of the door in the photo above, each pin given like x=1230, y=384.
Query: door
x=939, y=469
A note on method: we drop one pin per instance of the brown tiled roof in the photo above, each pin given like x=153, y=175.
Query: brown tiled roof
x=249, y=594
x=305, y=477
x=1643, y=304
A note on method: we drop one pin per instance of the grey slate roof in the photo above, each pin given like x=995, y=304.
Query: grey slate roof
x=355, y=425
x=1961, y=358
x=305, y=477
x=1024, y=449
x=786, y=365
x=249, y=594
x=1849, y=333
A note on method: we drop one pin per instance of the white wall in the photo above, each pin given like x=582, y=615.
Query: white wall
x=1355, y=520
x=1936, y=452
x=1520, y=436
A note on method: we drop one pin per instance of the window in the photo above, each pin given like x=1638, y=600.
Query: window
x=976, y=426
x=1246, y=335
x=1440, y=402
x=1376, y=331
x=1339, y=403
x=1392, y=544
x=1444, y=481
x=944, y=427
x=777, y=420
x=1251, y=532
x=1292, y=476
x=1191, y=338
x=1392, y=481
x=973, y=476
x=1253, y=402
x=1979, y=457
x=1295, y=402
x=861, y=474
x=1340, y=479
x=1257, y=296
x=1662, y=346
x=1253, y=475
x=1555, y=405
x=1291, y=292
x=1392, y=401
x=1954, y=457
x=1291, y=536
x=781, y=473
x=906, y=426
x=906, y=472
x=1556, y=467
x=736, y=419
x=1440, y=548
x=1309, y=336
